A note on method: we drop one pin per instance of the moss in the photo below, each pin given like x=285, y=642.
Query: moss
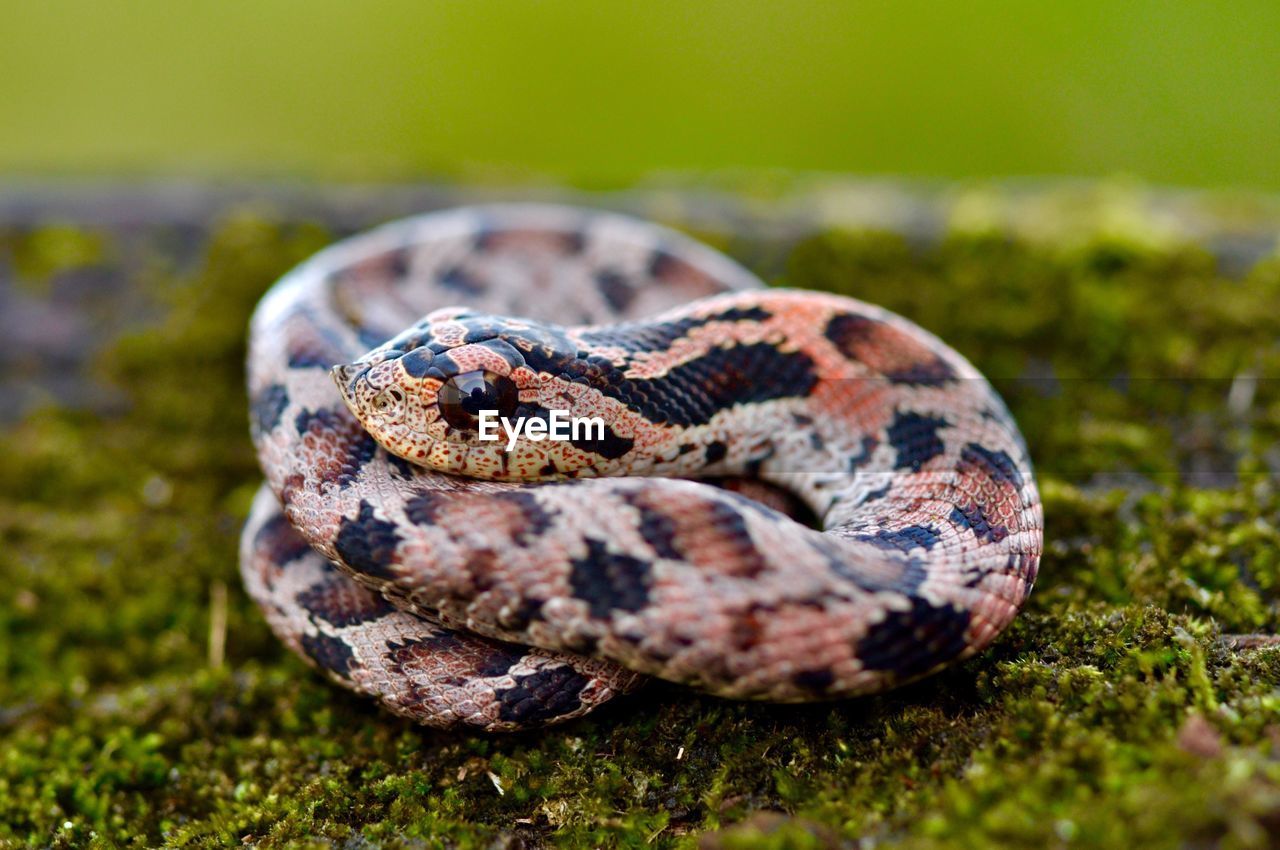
x=1113, y=713
x=51, y=249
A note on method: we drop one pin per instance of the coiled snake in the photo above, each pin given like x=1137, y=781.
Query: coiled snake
x=496, y=599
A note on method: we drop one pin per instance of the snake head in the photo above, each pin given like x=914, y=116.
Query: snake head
x=450, y=394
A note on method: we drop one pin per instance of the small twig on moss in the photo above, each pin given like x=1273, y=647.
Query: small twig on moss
x=217, y=623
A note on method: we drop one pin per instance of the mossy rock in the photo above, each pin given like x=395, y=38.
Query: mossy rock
x=143, y=701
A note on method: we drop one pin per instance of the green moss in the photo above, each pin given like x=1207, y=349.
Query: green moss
x=1113, y=713
x=51, y=249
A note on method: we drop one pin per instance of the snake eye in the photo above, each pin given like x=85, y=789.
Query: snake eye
x=385, y=399
x=464, y=396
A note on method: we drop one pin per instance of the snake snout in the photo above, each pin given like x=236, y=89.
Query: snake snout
x=344, y=373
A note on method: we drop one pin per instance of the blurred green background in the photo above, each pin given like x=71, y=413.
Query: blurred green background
x=602, y=94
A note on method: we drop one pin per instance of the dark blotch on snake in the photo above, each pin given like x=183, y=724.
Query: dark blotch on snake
x=324, y=419
x=278, y=542
x=309, y=360
x=414, y=660
x=425, y=508
x=912, y=642
x=359, y=452
x=328, y=652
x=906, y=582
x=608, y=582
x=268, y=406
x=615, y=289
x=357, y=448
x=609, y=446
x=655, y=526
x=541, y=696
x=341, y=602
x=915, y=437
x=367, y=544
x=863, y=457
x=693, y=392
x=1025, y=567
x=997, y=464
x=730, y=525
x=499, y=663
x=400, y=260
x=876, y=495
x=401, y=469
x=904, y=539
x=690, y=393
x=526, y=611
x=461, y=281
x=739, y=314
x=429, y=508
x=574, y=241
x=505, y=350
x=928, y=373
x=973, y=518
x=665, y=264
x=851, y=332
x=537, y=519
x=417, y=362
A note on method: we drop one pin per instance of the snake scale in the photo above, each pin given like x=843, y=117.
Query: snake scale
x=465, y=585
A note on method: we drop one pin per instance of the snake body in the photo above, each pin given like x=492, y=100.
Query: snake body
x=506, y=590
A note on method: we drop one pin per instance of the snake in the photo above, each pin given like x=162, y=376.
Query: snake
x=778, y=494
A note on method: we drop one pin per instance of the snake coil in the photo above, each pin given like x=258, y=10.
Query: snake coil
x=543, y=581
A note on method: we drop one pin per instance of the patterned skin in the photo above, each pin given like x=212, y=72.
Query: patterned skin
x=431, y=590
